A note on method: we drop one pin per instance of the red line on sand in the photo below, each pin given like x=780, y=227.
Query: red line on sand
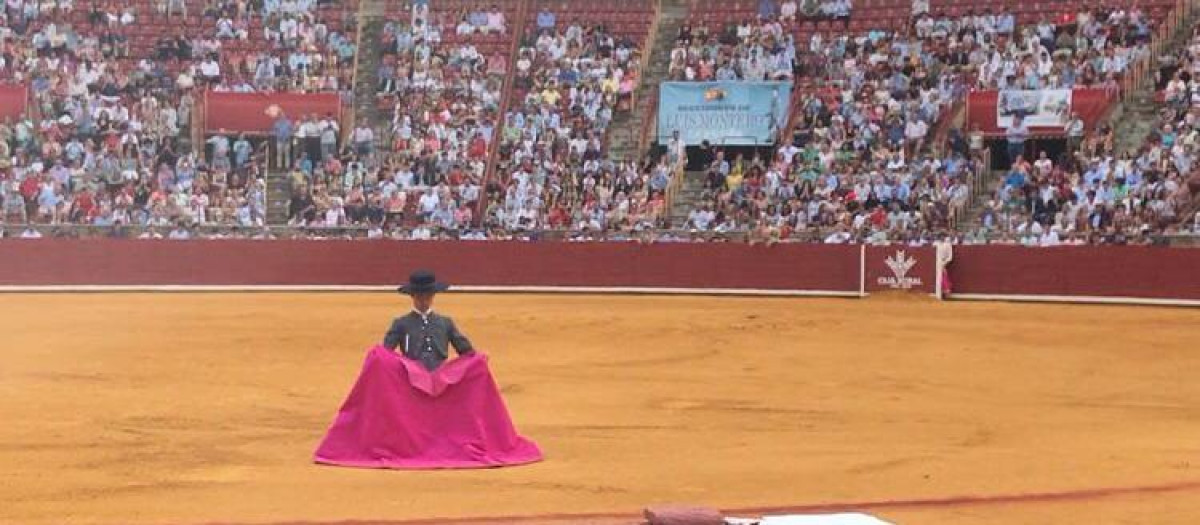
x=951, y=501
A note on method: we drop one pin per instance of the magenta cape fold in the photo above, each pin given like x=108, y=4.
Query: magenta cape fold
x=401, y=416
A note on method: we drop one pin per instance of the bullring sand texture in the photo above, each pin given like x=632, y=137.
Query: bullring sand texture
x=196, y=408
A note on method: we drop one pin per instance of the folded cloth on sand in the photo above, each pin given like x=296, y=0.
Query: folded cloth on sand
x=682, y=515
x=399, y=415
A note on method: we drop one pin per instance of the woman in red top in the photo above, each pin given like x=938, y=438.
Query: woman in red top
x=455, y=177
x=558, y=218
x=395, y=207
x=464, y=215
x=83, y=207
x=478, y=148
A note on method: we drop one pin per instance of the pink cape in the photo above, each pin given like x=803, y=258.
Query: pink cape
x=401, y=416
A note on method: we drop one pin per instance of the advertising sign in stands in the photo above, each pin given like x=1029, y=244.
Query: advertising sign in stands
x=1040, y=107
x=723, y=113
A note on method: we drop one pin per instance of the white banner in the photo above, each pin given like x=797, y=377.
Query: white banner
x=1040, y=107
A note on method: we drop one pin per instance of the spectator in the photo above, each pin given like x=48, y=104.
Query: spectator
x=1015, y=136
x=282, y=131
x=545, y=19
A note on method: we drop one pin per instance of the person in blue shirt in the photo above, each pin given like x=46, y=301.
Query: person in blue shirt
x=951, y=164
x=568, y=76
x=282, y=130
x=1168, y=136
x=404, y=40
x=895, y=132
x=1016, y=134
x=766, y=8
x=1094, y=174
x=1068, y=77
x=241, y=152
x=903, y=191
x=546, y=19
x=726, y=73
x=306, y=165
x=487, y=129
x=1015, y=179
x=1005, y=23
x=477, y=19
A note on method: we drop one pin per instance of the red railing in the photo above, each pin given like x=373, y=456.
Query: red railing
x=507, y=89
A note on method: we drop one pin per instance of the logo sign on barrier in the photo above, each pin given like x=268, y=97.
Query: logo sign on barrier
x=900, y=263
x=905, y=268
x=1040, y=107
x=723, y=113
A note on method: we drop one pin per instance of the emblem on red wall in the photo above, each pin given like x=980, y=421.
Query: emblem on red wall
x=900, y=264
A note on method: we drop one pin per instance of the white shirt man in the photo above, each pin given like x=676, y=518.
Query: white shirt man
x=701, y=218
x=1049, y=237
x=364, y=135
x=406, y=178
x=310, y=128
x=470, y=192
x=210, y=68
x=1043, y=166
x=289, y=28
x=179, y=234
x=788, y=153
x=838, y=237
x=676, y=149
x=916, y=129
x=495, y=21
x=428, y=202
x=421, y=233
x=787, y=10
x=328, y=123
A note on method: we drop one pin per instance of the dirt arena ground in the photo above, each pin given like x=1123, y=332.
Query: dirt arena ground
x=200, y=408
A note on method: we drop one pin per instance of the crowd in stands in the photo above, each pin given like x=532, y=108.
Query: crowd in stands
x=858, y=167
x=444, y=95
x=845, y=194
x=114, y=89
x=106, y=141
x=1101, y=195
x=571, y=77
x=1092, y=47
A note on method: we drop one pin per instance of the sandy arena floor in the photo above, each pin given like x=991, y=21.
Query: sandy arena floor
x=199, y=408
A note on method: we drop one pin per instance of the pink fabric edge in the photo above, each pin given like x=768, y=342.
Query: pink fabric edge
x=451, y=373
x=426, y=465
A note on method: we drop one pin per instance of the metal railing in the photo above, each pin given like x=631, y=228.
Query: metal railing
x=678, y=174
x=489, y=170
x=977, y=186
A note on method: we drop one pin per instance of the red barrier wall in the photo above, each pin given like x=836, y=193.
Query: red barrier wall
x=246, y=262
x=1089, y=271
x=1082, y=271
x=247, y=112
x=12, y=100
